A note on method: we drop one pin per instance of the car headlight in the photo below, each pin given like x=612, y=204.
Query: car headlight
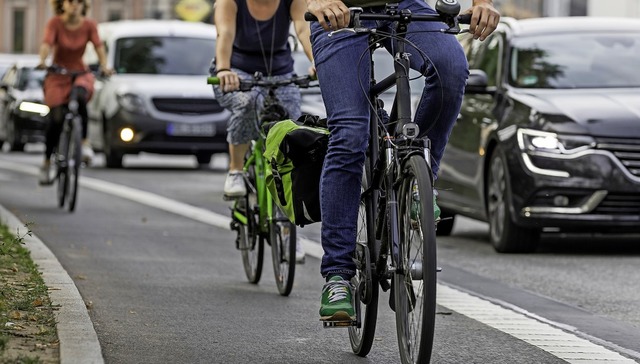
x=34, y=107
x=536, y=141
x=132, y=103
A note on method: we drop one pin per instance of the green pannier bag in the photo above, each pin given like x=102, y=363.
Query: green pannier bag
x=294, y=154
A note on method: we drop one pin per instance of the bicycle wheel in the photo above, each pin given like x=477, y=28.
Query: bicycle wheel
x=73, y=164
x=250, y=241
x=415, y=277
x=282, y=236
x=62, y=166
x=366, y=302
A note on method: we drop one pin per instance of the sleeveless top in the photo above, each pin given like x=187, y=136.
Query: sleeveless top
x=247, y=51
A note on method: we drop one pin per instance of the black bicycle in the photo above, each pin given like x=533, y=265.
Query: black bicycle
x=68, y=153
x=255, y=216
x=396, y=240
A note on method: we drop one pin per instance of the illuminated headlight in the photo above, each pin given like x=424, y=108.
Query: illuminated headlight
x=530, y=140
x=132, y=103
x=35, y=108
x=126, y=134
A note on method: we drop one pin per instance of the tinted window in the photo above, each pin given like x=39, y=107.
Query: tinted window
x=164, y=55
x=486, y=56
x=31, y=78
x=581, y=60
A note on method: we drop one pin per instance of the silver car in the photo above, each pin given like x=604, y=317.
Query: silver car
x=158, y=101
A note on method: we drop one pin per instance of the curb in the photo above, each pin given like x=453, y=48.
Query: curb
x=78, y=339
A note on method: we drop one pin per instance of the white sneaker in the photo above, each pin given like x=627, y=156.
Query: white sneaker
x=300, y=254
x=87, y=153
x=234, y=184
x=44, y=177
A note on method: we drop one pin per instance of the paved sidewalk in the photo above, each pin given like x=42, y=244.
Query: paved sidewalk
x=78, y=339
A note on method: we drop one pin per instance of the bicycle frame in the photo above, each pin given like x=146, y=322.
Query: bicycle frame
x=397, y=146
x=264, y=197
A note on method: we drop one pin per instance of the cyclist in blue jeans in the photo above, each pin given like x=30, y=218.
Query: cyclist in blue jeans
x=341, y=76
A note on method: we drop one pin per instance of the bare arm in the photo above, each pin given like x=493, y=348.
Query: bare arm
x=298, y=8
x=225, y=21
x=484, y=18
x=45, y=49
x=102, y=60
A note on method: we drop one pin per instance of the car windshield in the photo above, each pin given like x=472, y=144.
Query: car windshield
x=164, y=55
x=31, y=78
x=580, y=60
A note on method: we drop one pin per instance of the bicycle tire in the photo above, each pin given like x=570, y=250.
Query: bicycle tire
x=362, y=337
x=283, y=250
x=62, y=165
x=251, y=242
x=415, y=276
x=74, y=163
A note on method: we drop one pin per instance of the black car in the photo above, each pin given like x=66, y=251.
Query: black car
x=22, y=111
x=548, y=138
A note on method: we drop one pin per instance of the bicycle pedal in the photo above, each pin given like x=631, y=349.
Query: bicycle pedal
x=334, y=324
x=230, y=198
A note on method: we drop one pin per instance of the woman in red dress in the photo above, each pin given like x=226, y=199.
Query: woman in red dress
x=66, y=36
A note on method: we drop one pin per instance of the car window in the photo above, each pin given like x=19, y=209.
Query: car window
x=31, y=78
x=576, y=60
x=164, y=55
x=487, y=56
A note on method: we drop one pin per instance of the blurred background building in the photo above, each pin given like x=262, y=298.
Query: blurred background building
x=22, y=21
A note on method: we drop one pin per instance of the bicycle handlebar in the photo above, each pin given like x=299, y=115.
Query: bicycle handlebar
x=446, y=14
x=257, y=80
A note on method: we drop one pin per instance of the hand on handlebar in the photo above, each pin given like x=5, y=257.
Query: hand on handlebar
x=229, y=80
x=331, y=14
x=41, y=66
x=484, y=19
x=106, y=72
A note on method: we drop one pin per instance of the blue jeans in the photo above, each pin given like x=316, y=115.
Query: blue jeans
x=342, y=75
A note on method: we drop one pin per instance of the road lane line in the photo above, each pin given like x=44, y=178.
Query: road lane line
x=551, y=337
x=533, y=331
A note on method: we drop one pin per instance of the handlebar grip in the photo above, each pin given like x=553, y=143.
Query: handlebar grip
x=213, y=80
x=464, y=19
x=310, y=17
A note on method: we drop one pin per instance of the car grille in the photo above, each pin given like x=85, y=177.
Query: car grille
x=627, y=151
x=187, y=106
x=619, y=204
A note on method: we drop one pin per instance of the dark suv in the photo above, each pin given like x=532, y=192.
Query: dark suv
x=548, y=138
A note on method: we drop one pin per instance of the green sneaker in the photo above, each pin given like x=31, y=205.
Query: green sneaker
x=336, y=301
x=415, y=208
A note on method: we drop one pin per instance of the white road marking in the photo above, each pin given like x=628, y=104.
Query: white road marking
x=551, y=337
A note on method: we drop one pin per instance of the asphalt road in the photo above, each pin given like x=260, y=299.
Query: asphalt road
x=165, y=287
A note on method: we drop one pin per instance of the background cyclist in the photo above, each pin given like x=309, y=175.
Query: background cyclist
x=67, y=34
x=340, y=74
x=253, y=35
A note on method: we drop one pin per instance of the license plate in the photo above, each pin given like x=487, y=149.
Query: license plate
x=191, y=129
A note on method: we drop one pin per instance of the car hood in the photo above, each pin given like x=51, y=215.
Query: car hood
x=162, y=85
x=30, y=94
x=601, y=112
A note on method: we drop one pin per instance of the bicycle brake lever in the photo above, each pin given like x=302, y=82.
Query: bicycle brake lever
x=353, y=30
x=341, y=31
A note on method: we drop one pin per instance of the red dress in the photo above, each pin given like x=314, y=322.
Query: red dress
x=68, y=48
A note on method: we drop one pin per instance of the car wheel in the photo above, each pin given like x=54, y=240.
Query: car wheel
x=15, y=145
x=506, y=237
x=203, y=159
x=445, y=225
x=113, y=158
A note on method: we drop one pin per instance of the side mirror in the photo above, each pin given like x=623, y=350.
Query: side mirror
x=477, y=83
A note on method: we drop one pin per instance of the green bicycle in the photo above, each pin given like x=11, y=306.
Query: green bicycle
x=255, y=217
